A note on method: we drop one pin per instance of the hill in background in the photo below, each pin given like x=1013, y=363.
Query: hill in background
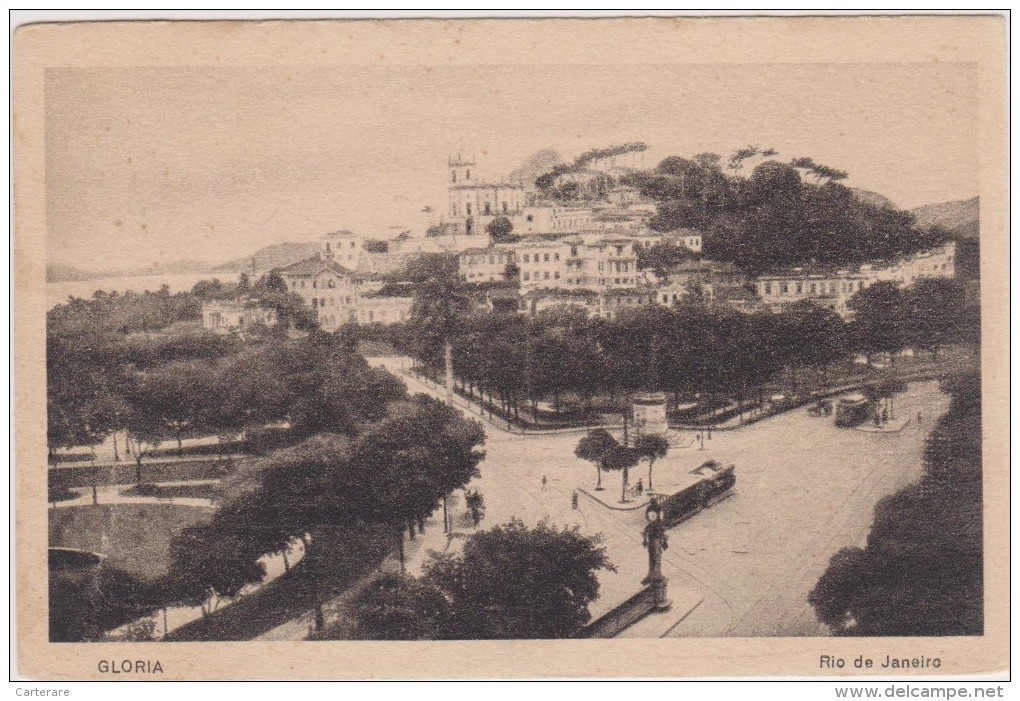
x=537, y=164
x=959, y=216
x=266, y=258
x=873, y=198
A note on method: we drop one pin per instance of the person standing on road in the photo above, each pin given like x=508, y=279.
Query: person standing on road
x=573, y=501
x=545, y=481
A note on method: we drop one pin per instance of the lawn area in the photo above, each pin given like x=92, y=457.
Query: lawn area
x=337, y=560
x=135, y=538
x=201, y=490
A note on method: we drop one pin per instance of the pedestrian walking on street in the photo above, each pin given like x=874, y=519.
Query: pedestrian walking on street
x=573, y=501
x=545, y=481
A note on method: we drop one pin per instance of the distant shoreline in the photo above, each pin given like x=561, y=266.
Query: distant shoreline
x=59, y=292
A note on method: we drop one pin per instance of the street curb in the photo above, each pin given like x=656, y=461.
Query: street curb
x=637, y=505
x=872, y=429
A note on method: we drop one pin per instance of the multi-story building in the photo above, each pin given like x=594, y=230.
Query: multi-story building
x=576, y=262
x=329, y=288
x=607, y=304
x=688, y=238
x=344, y=247
x=381, y=309
x=605, y=263
x=834, y=289
x=236, y=315
x=474, y=202
x=542, y=263
x=612, y=302
x=485, y=264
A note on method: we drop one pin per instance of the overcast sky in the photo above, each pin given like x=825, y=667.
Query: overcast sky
x=153, y=165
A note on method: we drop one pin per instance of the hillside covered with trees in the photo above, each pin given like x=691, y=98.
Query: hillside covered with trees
x=758, y=210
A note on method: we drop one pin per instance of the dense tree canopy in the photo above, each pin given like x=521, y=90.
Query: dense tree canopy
x=515, y=582
x=510, y=582
x=500, y=230
x=773, y=218
x=921, y=571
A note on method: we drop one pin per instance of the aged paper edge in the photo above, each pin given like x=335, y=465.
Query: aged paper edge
x=978, y=39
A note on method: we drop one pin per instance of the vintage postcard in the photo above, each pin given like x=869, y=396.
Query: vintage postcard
x=511, y=348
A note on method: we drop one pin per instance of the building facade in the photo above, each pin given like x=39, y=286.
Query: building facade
x=344, y=247
x=485, y=264
x=835, y=289
x=473, y=202
x=329, y=288
x=236, y=316
x=384, y=310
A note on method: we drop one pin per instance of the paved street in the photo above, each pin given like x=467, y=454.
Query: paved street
x=804, y=489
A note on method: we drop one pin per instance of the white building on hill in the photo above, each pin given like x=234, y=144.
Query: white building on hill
x=236, y=316
x=834, y=289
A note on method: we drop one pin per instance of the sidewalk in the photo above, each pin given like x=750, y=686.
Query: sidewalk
x=111, y=494
x=890, y=426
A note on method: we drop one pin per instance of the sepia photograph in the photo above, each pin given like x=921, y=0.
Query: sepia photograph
x=458, y=331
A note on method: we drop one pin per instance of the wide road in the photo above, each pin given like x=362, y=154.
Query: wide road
x=804, y=490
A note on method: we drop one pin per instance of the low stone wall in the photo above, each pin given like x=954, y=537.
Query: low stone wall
x=618, y=619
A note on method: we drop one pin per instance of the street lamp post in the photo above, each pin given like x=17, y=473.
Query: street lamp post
x=655, y=539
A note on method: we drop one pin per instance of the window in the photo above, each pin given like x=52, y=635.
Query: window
x=505, y=208
x=453, y=176
x=800, y=287
x=573, y=251
x=557, y=275
x=546, y=276
x=768, y=288
x=488, y=208
x=527, y=276
x=468, y=205
x=315, y=283
x=556, y=256
x=467, y=175
x=813, y=288
x=784, y=288
x=527, y=258
x=330, y=284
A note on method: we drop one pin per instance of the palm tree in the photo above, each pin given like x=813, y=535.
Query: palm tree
x=651, y=447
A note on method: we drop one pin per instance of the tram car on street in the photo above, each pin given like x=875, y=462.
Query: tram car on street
x=709, y=483
x=853, y=410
